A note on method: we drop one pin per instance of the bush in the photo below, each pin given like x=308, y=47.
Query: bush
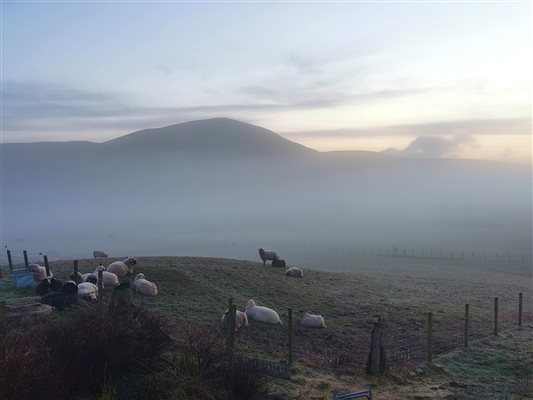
x=59, y=358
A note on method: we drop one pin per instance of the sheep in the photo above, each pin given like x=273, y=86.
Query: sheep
x=90, y=277
x=262, y=314
x=241, y=320
x=279, y=262
x=294, y=272
x=76, y=277
x=48, y=285
x=108, y=278
x=122, y=268
x=88, y=291
x=312, y=320
x=143, y=286
x=98, y=253
x=64, y=297
x=267, y=255
x=38, y=272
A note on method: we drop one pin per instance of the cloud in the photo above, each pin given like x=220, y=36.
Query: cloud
x=473, y=127
x=433, y=147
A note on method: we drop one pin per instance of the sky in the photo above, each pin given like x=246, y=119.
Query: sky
x=417, y=79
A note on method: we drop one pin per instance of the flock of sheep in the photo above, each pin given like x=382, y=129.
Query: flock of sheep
x=63, y=294
x=268, y=315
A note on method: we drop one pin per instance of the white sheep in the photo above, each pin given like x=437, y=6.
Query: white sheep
x=122, y=268
x=241, y=320
x=262, y=314
x=38, y=272
x=312, y=320
x=143, y=286
x=108, y=278
x=267, y=255
x=88, y=291
x=294, y=272
x=98, y=253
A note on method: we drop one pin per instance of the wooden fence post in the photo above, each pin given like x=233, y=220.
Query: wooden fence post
x=101, y=290
x=290, y=335
x=467, y=309
x=26, y=263
x=495, y=316
x=430, y=338
x=231, y=332
x=228, y=319
x=520, y=300
x=376, y=362
x=46, y=266
x=10, y=261
x=75, y=266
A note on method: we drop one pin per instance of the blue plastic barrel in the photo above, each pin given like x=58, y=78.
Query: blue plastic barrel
x=21, y=278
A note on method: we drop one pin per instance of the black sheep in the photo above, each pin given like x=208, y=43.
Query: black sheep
x=279, y=262
x=48, y=285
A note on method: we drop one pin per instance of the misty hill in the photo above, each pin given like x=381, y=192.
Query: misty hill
x=221, y=179
x=217, y=135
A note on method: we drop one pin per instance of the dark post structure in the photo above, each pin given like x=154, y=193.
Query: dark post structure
x=75, y=266
x=46, y=265
x=231, y=327
x=10, y=260
x=290, y=336
x=430, y=338
x=228, y=320
x=495, y=316
x=101, y=290
x=376, y=362
x=520, y=300
x=26, y=263
x=467, y=310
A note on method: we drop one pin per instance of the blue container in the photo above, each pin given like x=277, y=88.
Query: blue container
x=21, y=278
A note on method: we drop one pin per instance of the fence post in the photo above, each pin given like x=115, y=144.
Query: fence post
x=230, y=327
x=75, y=266
x=26, y=263
x=231, y=332
x=376, y=362
x=495, y=316
x=290, y=335
x=101, y=290
x=467, y=309
x=520, y=300
x=430, y=338
x=46, y=266
x=10, y=261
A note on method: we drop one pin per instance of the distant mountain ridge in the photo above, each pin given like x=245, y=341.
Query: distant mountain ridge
x=218, y=135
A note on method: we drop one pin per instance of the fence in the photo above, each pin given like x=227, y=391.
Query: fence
x=440, y=334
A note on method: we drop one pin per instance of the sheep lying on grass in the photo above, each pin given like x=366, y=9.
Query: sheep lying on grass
x=88, y=291
x=109, y=278
x=312, y=320
x=142, y=286
x=38, y=272
x=267, y=255
x=90, y=277
x=241, y=320
x=63, y=298
x=279, y=262
x=294, y=272
x=262, y=314
x=99, y=254
x=76, y=277
x=48, y=285
x=122, y=268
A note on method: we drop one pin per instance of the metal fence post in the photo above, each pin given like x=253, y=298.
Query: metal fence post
x=495, y=316
x=430, y=338
x=10, y=261
x=26, y=263
x=290, y=335
x=467, y=309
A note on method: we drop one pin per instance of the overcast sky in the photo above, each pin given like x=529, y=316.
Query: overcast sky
x=443, y=79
